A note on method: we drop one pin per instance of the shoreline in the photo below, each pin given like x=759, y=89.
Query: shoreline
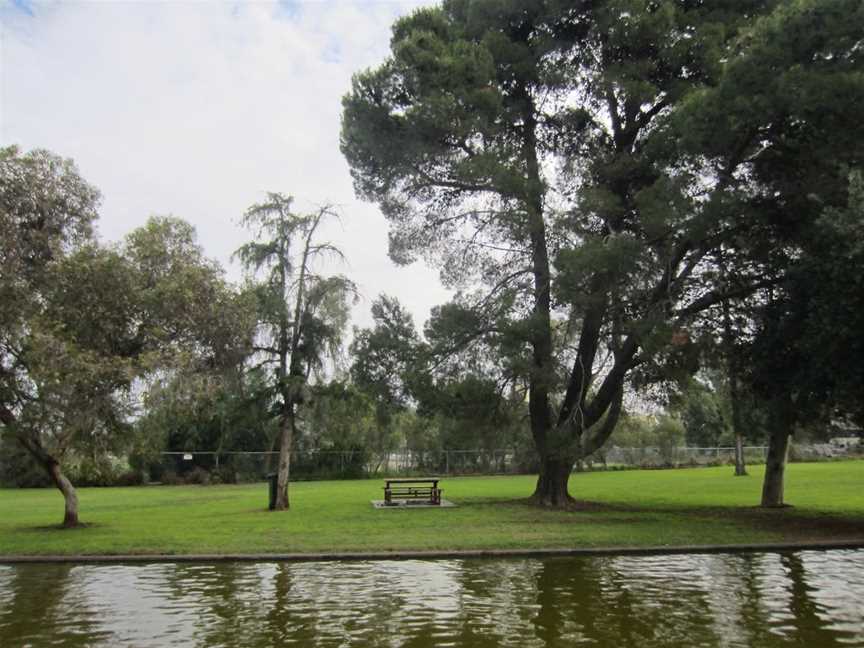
x=451, y=554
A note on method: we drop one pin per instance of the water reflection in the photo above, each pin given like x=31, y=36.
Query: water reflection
x=792, y=599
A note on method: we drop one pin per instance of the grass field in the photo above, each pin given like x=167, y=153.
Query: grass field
x=628, y=508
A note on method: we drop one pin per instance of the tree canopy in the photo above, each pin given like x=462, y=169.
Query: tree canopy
x=302, y=314
x=81, y=322
x=576, y=167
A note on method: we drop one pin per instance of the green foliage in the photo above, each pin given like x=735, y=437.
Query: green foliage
x=18, y=469
x=808, y=348
x=301, y=315
x=584, y=166
x=704, y=415
x=205, y=412
x=471, y=413
x=385, y=356
x=46, y=209
x=85, y=322
x=189, y=305
x=669, y=433
x=662, y=433
x=342, y=417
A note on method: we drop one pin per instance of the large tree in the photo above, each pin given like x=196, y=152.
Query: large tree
x=584, y=161
x=80, y=322
x=46, y=209
x=792, y=96
x=806, y=360
x=302, y=314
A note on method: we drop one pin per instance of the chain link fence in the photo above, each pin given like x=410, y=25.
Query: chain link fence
x=18, y=470
x=679, y=456
x=673, y=456
x=238, y=467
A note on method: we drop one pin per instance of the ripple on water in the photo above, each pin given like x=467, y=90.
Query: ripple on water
x=809, y=598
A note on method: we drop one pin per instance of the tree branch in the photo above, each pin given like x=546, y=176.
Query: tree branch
x=716, y=296
x=596, y=440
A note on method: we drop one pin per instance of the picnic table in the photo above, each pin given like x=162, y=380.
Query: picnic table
x=412, y=491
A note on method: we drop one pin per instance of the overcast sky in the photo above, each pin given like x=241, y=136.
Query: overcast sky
x=197, y=108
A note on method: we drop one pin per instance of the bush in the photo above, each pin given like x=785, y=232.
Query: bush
x=171, y=478
x=18, y=469
x=130, y=478
x=93, y=471
x=223, y=475
x=197, y=476
x=669, y=435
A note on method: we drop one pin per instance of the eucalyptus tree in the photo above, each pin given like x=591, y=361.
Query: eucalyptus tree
x=46, y=211
x=80, y=322
x=302, y=314
x=580, y=162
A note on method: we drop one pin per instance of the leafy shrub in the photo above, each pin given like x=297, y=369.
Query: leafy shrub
x=130, y=478
x=18, y=469
x=171, y=478
x=197, y=476
x=93, y=471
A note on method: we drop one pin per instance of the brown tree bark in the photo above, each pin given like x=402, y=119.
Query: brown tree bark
x=554, y=472
x=552, y=483
x=70, y=496
x=740, y=466
x=732, y=371
x=737, y=425
x=580, y=423
x=284, y=472
x=775, y=464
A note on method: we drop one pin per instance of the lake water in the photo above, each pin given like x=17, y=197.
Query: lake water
x=808, y=598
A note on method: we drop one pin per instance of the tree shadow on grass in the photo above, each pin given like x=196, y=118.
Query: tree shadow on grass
x=806, y=526
x=793, y=524
x=81, y=526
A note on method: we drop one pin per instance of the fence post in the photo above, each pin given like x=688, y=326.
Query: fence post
x=446, y=462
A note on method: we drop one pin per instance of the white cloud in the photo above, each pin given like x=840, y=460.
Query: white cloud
x=197, y=109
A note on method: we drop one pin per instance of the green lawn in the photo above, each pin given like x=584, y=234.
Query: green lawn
x=631, y=508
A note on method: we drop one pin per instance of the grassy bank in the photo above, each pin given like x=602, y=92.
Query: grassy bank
x=628, y=508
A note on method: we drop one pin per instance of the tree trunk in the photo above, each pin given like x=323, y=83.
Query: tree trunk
x=775, y=467
x=740, y=467
x=284, y=472
x=552, y=483
x=70, y=517
x=732, y=371
x=737, y=426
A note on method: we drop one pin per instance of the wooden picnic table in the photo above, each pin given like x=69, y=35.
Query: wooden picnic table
x=412, y=491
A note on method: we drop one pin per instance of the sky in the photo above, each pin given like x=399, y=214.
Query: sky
x=196, y=109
